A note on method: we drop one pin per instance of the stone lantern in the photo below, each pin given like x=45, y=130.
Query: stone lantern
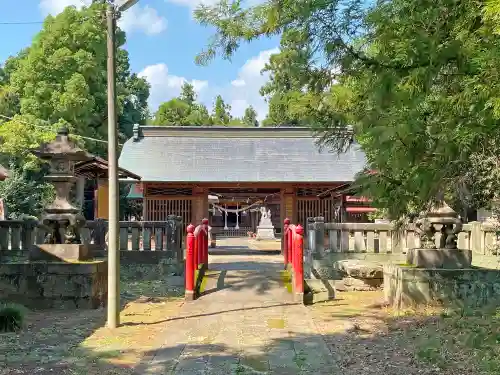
x=444, y=220
x=61, y=219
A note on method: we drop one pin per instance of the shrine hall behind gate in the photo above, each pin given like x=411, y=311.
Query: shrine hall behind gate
x=227, y=174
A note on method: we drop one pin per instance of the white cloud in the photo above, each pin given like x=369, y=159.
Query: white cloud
x=57, y=6
x=142, y=19
x=240, y=92
x=137, y=18
x=165, y=86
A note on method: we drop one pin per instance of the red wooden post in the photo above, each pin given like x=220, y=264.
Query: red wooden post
x=285, y=242
x=291, y=253
x=196, y=252
x=190, y=261
x=299, y=262
x=205, y=243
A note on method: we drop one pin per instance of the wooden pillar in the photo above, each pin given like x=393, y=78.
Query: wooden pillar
x=289, y=204
x=102, y=211
x=200, y=205
x=80, y=191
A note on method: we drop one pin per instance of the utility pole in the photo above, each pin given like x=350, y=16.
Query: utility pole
x=113, y=320
x=113, y=225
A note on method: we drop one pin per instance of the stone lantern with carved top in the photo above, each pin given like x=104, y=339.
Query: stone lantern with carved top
x=61, y=219
x=444, y=220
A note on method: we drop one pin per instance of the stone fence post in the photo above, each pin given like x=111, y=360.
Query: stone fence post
x=310, y=235
x=319, y=229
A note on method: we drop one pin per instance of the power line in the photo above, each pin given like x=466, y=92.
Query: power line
x=22, y=23
x=42, y=127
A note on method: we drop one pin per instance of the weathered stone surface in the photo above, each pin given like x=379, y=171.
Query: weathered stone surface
x=439, y=258
x=59, y=252
x=54, y=285
x=350, y=284
x=410, y=286
x=319, y=291
x=360, y=269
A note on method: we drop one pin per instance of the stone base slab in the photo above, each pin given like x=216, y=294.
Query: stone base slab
x=318, y=291
x=406, y=286
x=439, y=258
x=265, y=233
x=55, y=285
x=59, y=252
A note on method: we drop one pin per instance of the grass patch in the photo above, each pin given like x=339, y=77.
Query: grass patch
x=430, y=338
x=463, y=338
x=286, y=278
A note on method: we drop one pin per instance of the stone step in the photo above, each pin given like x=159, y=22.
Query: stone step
x=318, y=290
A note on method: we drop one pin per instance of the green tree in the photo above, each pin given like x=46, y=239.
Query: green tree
x=199, y=116
x=24, y=194
x=221, y=114
x=172, y=113
x=250, y=117
x=62, y=76
x=9, y=103
x=414, y=82
x=187, y=93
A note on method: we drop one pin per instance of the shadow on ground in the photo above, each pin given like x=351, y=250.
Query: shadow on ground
x=361, y=341
x=393, y=346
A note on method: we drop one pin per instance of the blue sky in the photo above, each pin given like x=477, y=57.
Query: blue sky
x=162, y=40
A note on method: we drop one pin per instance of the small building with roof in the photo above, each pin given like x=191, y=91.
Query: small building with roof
x=244, y=168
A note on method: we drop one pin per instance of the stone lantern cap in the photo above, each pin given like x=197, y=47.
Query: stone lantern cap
x=62, y=147
x=441, y=213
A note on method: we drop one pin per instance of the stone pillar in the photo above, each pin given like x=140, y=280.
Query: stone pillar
x=319, y=229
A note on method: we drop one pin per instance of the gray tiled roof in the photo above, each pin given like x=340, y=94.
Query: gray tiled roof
x=212, y=154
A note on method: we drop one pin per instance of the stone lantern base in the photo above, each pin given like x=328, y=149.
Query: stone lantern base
x=439, y=258
x=408, y=286
x=60, y=252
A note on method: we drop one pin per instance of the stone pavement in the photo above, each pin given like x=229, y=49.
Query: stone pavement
x=244, y=323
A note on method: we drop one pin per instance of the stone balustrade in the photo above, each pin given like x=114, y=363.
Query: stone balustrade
x=481, y=238
x=134, y=235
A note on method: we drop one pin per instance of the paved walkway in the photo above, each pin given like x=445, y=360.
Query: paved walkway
x=245, y=323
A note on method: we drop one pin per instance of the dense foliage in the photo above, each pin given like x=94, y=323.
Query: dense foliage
x=186, y=111
x=61, y=80
x=11, y=317
x=416, y=81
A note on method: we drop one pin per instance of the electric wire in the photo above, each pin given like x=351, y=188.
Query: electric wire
x=42, y=127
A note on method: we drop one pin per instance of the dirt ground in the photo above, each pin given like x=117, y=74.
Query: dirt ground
x=364, y=336
x=77, y=342
x=368, y=338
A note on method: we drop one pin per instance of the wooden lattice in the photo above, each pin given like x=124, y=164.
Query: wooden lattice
x=168, y=191
x=307, y=207
x=309, y=192
x=158, y=209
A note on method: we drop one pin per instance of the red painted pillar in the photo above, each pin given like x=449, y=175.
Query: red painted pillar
x=190, y=261
x=205, y=243
x=285, y=242
x=290, y=236
x=299, y=260
x=196, y=249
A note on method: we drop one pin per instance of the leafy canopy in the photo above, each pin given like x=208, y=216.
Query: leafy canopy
x=415, y=81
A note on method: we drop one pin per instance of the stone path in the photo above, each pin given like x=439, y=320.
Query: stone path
x=245, y=323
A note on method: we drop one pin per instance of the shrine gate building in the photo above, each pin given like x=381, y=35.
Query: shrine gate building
x=228, y=173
